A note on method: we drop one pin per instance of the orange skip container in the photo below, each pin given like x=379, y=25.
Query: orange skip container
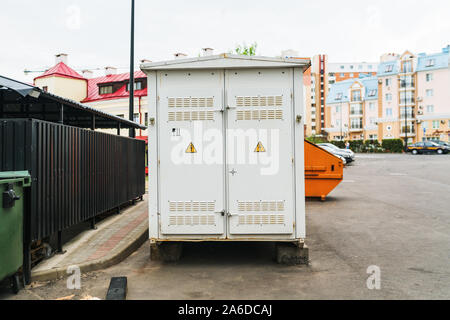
x=323, y=171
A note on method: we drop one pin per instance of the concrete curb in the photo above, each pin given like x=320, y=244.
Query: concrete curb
x=115, y=257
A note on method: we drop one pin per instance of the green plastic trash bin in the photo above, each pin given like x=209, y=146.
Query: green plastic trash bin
x=12, y=196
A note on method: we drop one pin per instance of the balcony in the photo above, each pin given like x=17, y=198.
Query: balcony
x=408, y=115
x=410, y=131
x=408, y=102
x=412, y=134
x=356, y=113
x=356, y=129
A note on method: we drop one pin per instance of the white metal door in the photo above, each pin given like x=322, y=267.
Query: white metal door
x=259, y=147
x=191, y=152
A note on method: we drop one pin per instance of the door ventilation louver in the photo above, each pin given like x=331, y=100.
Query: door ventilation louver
x=192, y=220
x=191, y=102
x=258, y=206
x=191, y=116
x=192, y=206
x=261, y=219
x=259, y=101
x=271, y=114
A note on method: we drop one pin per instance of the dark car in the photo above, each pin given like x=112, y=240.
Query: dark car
x=427, y=147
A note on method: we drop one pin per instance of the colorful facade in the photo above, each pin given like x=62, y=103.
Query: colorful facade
x=412, y=99
x=109, y=93
x=324, y=75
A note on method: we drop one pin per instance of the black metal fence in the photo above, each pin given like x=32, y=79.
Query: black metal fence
x=76, y=173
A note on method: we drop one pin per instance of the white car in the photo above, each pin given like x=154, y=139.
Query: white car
x=348, y=154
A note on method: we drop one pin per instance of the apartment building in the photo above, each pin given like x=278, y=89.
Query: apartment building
x=352, y=110
x=325, y=74
x=109, y=92
x=412, y=100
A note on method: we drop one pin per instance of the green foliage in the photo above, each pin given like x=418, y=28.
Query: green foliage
x=393, y=145
x=339, y=144
x=356, y=145
x=316, y=140
x=246, y=50
x=360, y=146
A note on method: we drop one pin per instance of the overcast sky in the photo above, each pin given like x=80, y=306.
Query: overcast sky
x=95, y=33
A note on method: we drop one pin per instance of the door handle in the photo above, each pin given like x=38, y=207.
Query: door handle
x=221, y=212
x=230, y=214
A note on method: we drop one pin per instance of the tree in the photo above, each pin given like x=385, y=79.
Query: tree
x=246, y=50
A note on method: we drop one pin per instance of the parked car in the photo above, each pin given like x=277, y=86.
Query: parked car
x=443, y=143
x=338, y=153
x=428, y=147
x=348, y=154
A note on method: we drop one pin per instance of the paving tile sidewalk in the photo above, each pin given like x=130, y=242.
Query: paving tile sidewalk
x=116, y=237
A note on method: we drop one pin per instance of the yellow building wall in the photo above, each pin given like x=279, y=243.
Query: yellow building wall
x=120, y=107
x=74, y=89
x=443, y=133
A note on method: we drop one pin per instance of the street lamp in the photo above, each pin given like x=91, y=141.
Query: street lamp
x=131, y=90
x=403, y=84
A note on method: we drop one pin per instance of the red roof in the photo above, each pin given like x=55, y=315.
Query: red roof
x=61, y=70
x=93, y=92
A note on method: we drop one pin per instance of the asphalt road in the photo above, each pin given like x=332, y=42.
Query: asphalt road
x=391, y=211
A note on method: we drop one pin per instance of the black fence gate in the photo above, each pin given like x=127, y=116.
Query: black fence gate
x=76, y=173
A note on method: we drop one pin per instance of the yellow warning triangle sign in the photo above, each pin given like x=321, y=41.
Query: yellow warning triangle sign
x=191, y=149
x=260, y=147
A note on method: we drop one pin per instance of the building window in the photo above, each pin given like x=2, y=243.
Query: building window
x=351, y=75
x=388, y=82
x=389, y=68
x=356, y=95
x=407, y=66
x=430, y=109
x=372, y=106
x=356, y=123
x=338, y=122
x=136, y=117
x=429, y=77
x=430, y=92
x=372, y=93
x=372, y=121
x=425, y=125
x=338, y=108
x=342, y=75
x=370, y=67
x=138, y=85
x=342, y=67
x=339, y=96
x=430, y=62
x=388, y=96
x=389, y=112
x=356, y=109
x=406, y=97
x=436, y=124
x=146, y=119
x=373, y=137
x=351, y=67
x=105, y=89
